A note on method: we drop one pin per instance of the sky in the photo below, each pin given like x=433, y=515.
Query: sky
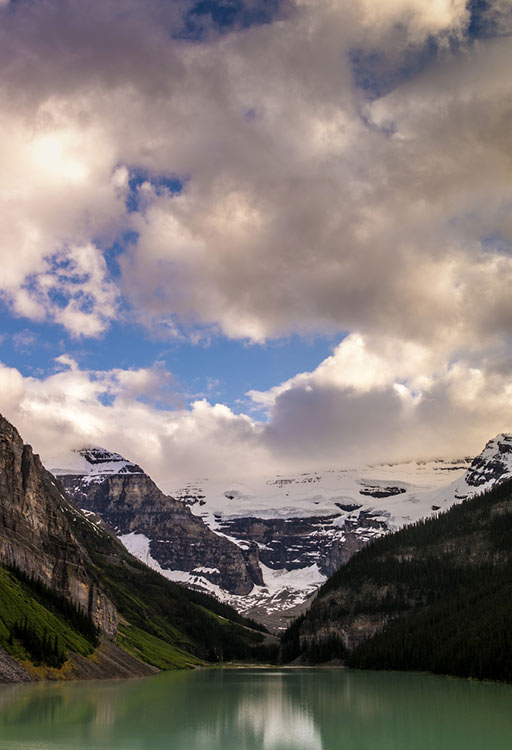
x=243, y=237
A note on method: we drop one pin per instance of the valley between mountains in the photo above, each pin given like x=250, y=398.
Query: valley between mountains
x=93, y=559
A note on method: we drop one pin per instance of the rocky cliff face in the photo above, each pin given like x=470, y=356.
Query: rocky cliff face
x=264, y=549
x=492, y=466
x=176, y=540
x=306, y=525
x=296, y=543
x=36, y=530
x=46, y=539
x=261, y=566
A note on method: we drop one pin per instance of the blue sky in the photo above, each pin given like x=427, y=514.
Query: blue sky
x=218, y=369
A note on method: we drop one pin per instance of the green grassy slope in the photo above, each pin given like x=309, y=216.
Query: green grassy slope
x=164, y=623
x=21, y=602
x=161, y=623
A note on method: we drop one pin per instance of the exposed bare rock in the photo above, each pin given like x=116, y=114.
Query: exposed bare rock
x=10, y=670
x=295, y=543
x=110, y=662
x=378, y=491
x=131, y=502
x=36, y=530
x=493, y=464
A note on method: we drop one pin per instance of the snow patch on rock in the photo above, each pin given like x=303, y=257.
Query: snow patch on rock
x=91, y=464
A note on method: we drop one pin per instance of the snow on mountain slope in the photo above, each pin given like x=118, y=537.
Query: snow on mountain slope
x=302, y=526
x=306, y=525
x=282, y=591
x=399, y=493
x=492, y=465
x=93, y=464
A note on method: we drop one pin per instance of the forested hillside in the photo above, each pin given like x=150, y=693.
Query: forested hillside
x=158, y=616
x=435, y=596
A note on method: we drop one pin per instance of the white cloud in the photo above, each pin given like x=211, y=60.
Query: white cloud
x=394, y=409
x=72, y=408
x=87, y=297
x=422, y=19
x=320, y=211
x=317, y=419
x=360, y=367
x=295, y=215
x=57, y=191
x=308, y=204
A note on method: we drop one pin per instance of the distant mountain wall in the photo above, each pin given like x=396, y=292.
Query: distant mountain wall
x=131, y=502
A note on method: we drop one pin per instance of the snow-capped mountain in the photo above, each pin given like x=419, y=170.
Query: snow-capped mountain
x=398, y=493
x=92, y=464
x=492, y=465
x=282, y=535
x=307, y=525
x=160, y=530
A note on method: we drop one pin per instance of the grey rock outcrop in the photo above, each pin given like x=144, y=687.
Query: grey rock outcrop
x=295, y=543
x=36, y=530
x=10, y=670
x=493, y=464
x=131, y=502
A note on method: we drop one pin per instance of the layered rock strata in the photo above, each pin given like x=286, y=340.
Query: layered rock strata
x=130, y=502
x=36, y=534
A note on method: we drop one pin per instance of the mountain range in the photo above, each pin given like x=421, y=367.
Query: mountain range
x=418, y=554
x=265, y=547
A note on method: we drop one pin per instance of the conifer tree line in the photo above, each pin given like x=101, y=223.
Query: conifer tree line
x=43, y=649
x=73, y=614
x=441, y=590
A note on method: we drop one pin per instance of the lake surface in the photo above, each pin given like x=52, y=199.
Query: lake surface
x=271, y=709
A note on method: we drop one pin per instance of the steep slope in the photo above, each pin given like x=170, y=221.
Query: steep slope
x=47, y=637
x=131, y=503
x=36, y=534
x=70, y=591
x=266, y=546
x=434, y=596
x=491, y=466
x=307, y=525
x=162, y=622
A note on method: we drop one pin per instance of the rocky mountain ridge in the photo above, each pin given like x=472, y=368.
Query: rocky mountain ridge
x=288, y=533
x=130, y=502
x=492, y=466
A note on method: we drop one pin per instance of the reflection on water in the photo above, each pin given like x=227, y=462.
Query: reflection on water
x=259, y=710
x=274, y=717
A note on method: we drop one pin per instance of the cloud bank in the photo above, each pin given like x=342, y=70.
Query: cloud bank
x=344, y=167
x=351, y=410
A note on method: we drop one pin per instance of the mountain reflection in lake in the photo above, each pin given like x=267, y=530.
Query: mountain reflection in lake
x=259, y=709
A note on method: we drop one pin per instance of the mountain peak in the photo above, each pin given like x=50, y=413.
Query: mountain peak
x=502, y=442
x=92, y=462
x=493, y=464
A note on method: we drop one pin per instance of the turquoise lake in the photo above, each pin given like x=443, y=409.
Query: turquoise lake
x=265, y=709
